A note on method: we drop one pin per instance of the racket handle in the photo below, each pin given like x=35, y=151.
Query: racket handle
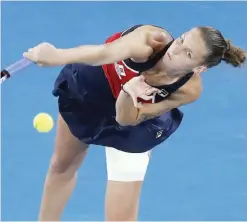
x=15, y=67
x=19, y=65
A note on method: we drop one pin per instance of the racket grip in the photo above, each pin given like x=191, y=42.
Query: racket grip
x=19, y=65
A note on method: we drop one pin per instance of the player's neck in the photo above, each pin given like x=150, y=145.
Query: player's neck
x=158, y=78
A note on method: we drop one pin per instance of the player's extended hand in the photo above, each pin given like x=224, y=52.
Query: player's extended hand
x=143, y=44
x=44, y=54
x=138, y=88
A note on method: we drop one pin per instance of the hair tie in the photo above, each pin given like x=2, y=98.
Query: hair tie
x=228, y=47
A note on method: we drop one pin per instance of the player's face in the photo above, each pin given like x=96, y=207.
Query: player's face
x=186, y=54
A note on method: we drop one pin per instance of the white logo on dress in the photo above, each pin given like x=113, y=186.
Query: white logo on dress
x=159, y=134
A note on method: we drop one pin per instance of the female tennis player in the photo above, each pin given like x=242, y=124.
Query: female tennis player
x=107, y=102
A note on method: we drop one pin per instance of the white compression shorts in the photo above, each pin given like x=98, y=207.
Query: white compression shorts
x=126, y=167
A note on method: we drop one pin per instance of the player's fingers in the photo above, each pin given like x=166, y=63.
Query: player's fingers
x=30, y=55
x=159, y=37
x=40, y=64
x=27, y=54
x=145, y=97
x=151, y=91
x=142, y=77
x=139, y=105
x=156, y=39
x=135, y=102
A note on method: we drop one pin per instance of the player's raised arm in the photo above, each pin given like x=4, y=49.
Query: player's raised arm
x=137, y=44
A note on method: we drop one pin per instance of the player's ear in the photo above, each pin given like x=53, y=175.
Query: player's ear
x=199, y=69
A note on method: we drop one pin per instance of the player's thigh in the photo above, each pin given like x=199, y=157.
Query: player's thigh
x=126, y=173
x=68, y=149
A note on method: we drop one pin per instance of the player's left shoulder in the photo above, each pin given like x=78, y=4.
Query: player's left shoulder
x=193, y=87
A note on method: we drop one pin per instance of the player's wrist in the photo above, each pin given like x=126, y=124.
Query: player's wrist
x=63, y=56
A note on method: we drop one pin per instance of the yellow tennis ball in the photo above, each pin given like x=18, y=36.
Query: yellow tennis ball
x=43, y=122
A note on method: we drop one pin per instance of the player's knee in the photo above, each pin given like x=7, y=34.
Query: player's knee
x=68, y=162
x=60, y=166
x=126, y=167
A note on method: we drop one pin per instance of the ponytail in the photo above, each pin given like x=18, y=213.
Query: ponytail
x=234, y=55
x=220, y=49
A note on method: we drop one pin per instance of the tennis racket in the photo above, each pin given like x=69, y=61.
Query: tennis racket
x=15, y=67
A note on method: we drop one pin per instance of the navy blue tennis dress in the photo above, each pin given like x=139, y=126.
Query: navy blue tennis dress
x=86, y=101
